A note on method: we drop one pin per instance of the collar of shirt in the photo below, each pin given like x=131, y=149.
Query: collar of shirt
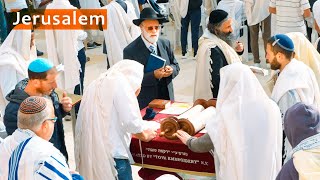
x=27, y=132
x=147, y=43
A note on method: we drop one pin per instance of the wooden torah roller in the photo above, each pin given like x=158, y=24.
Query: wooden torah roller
x=169, y=127
x=206, y=104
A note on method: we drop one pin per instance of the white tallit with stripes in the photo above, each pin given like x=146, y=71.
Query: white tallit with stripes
x=203, y=84
x=23, y=155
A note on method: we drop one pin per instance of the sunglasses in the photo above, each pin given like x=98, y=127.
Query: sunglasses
x=53, y=119
x=150, y=28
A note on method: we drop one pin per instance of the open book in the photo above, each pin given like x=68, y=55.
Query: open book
x=154, y=62
x=258, y=70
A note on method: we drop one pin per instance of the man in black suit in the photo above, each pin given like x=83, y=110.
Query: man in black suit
x=156, y=84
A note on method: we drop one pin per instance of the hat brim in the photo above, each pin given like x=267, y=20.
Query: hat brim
x=137, y=22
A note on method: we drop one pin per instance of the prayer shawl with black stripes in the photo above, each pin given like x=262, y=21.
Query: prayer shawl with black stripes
x=203, y=84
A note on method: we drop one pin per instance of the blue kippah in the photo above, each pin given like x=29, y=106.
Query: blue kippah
x=40, y=65
x=283, y=41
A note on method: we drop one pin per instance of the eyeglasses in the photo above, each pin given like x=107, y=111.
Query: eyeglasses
x=150, y=28
x=53, y=119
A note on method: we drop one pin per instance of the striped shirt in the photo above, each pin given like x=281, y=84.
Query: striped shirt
x=316, y=11
x=289, y=15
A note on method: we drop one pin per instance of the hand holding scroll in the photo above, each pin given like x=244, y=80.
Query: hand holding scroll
x=183, y=136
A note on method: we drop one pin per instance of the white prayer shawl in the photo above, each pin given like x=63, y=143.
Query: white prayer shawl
x=89, y=4
x=135, y=5
x=15, y=56
x=305, y=52
x=256, y=11
x=235, y=9
x=174, y=10
x=62, y=49
x=120, y=31
x=19, y=41
x=316, y=12
x=183, y=7
x=297, y=76
x=247, y=132
x=209, y=6
x=202, y=87
x=307, y=163
x=92, y=148
x=36, y=158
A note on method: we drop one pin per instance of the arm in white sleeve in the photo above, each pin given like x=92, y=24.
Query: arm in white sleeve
x=82, y=35
x=127, y=107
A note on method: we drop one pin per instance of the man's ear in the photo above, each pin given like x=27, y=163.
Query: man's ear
x=280, y=56
x=44, y=126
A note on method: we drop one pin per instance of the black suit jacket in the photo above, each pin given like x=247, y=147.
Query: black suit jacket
x=138, y=51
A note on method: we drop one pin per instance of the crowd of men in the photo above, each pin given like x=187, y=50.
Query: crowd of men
x=254, y=136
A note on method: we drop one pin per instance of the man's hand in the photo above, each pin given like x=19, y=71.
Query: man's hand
x=66, y=102
x=159, y=73
x=239, y=47
x=168, y=71
x=146, y=135
x=183, y=136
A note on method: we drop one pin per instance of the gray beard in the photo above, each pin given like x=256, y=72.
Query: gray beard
x=228, y=38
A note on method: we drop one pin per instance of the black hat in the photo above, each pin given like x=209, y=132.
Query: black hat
x=217, y=16
x=149, y=13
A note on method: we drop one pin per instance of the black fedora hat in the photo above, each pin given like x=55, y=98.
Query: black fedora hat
x=149, y=13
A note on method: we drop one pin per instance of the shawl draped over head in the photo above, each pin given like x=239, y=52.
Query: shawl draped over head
x=15, y=55
x=92, y=151
x=121, y=31
x=62, y=49
x=301, y=123
x=306, y=52
x=248, y=127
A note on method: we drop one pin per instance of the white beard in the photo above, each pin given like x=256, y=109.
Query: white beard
x=147, y=36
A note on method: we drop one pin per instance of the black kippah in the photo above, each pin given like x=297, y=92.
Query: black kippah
x=33, y=105
x=216, y=16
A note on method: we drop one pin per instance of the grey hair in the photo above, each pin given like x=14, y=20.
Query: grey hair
x=214, y=28
x=34, y=121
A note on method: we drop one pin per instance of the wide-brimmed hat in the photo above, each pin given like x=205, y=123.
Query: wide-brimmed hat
x=149, y=13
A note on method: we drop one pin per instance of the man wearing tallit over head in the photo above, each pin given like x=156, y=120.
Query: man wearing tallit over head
x=246, y=133
x=109, y=114
x=306, y=52
x=121, y=30
x=15, y=53
x=296, y=82
x=217, y=48
x=302, y=127
x=62, y=49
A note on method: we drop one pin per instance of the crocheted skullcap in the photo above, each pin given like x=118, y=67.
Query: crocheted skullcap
x=33, y=105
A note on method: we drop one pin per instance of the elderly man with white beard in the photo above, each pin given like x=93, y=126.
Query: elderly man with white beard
x=156, y=84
